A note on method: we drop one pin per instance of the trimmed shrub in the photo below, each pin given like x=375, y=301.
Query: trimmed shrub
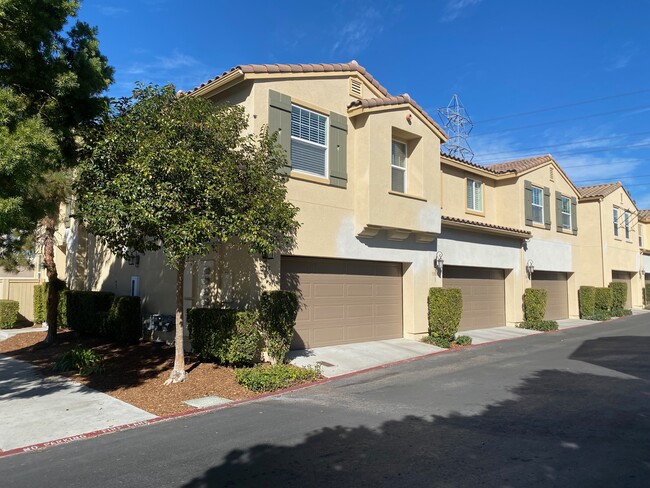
x=603, y=299
x=124, y=322
x=647, y=294
x=278, y=311
x=463, y=340
x=225, y=336
x=587, y=301
x=534, y=304
x=84, y=360
x=437, y=341
x=619, y=296
x=8, y=313
x=543, y=325
x=40, y=302
x=85, y=311
x=620, y=312
x=271, y=378
x=600, y=315
x=445, y=310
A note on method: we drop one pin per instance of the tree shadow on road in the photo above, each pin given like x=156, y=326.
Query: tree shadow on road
x=562, y=429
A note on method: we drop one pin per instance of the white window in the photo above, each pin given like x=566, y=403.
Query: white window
x=566, y=213
x=135, y=286
x=308, y=141
x=398, y=167
x=627, y=225
x=641, y=231
x=538, y=205
x=615, y=215
x=474, y=195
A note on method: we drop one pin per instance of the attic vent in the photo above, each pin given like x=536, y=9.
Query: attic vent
x=356, y=88
x=551, y=175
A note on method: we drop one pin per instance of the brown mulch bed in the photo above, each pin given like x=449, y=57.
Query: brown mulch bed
x=133, y=374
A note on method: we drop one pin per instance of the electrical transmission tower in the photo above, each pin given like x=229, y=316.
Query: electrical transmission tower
x=458, y=125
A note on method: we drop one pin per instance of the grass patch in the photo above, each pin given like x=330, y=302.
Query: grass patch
x=277, y=377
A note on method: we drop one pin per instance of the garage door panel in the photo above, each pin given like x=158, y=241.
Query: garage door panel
x=344, y=301
x=556, y=286
x=483, y=293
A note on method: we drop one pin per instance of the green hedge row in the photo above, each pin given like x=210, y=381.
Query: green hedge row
x=602, y=303
x=40, y=302
x=225, y=336
x=535, y=304
x=587, y=301
x=8, y=313
x=445, y=310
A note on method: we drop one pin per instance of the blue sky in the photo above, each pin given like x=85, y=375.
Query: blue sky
x=570, y=78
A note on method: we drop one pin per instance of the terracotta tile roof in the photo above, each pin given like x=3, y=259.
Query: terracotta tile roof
x=519, y=165
x=601, y=190
x=644, y=215
x=475, y=165
x=300, y=68
x=522, y=233
x=393, y=100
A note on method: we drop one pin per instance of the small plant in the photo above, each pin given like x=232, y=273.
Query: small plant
x=437, y=341
x=463, y=340
x=8, y=313
x=535, y=304
x=276, y=377
x=542, y=325
x=599, y=315
x=82, y=359
x=621, y=312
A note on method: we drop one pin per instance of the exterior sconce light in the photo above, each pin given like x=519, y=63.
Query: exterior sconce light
x=267, y=256
x=530, y=269
x=438, y=262
x=642, y=272
x=132, y=258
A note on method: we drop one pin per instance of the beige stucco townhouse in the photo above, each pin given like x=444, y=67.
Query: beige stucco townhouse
x=610, y=246
x=507, y=227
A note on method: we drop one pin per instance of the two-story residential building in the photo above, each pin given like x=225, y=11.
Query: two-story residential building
x=610, y=244
x=507, y=227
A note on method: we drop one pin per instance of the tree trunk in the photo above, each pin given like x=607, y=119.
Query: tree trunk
x=52, y=277
x=178, y=374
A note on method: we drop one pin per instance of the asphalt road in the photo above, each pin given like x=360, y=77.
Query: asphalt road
x=565, y=409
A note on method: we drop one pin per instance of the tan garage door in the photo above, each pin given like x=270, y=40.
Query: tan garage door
x=483, y=295
x=344, y=301
x=624, y=277
x=557, y=303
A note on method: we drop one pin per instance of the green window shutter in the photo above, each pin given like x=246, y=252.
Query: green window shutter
x=338, y=150
x=574, y=215
x=558, y=211
x=547, y=208
x=280, y=122
x=528, y=202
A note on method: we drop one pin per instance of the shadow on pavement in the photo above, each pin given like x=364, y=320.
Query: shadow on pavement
x=562, y=429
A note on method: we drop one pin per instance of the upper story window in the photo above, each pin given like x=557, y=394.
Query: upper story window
x=627, y=225
x=615, y=216
x=566, y=213
x=538, y=205
x=398, y=167
x=308, y=141
x=641, y=232
x=474, y=195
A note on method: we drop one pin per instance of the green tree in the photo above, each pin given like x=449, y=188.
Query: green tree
x=57, y=77
x=182, y=175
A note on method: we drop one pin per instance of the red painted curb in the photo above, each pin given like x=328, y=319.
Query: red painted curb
x=198, y=411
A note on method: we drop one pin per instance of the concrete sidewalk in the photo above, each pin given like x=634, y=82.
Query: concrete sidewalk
x=34, y=409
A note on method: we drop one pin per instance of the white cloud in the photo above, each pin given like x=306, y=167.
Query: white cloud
x=457, y=8
x=356, y=35
x=112, y=11
x=622, y=57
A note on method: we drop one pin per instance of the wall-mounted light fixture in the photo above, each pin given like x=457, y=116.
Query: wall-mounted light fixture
x=132, y=258
x=530, y=269
x=642, y=272
x=267, y=256
x=439, y=262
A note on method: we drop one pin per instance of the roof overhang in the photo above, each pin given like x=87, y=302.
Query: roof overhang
x=483, y=228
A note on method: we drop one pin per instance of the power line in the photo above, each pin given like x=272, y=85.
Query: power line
x=618, y=177
x=557, y=107
x=600, y=114
x=579, y=141
x=588, y=151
